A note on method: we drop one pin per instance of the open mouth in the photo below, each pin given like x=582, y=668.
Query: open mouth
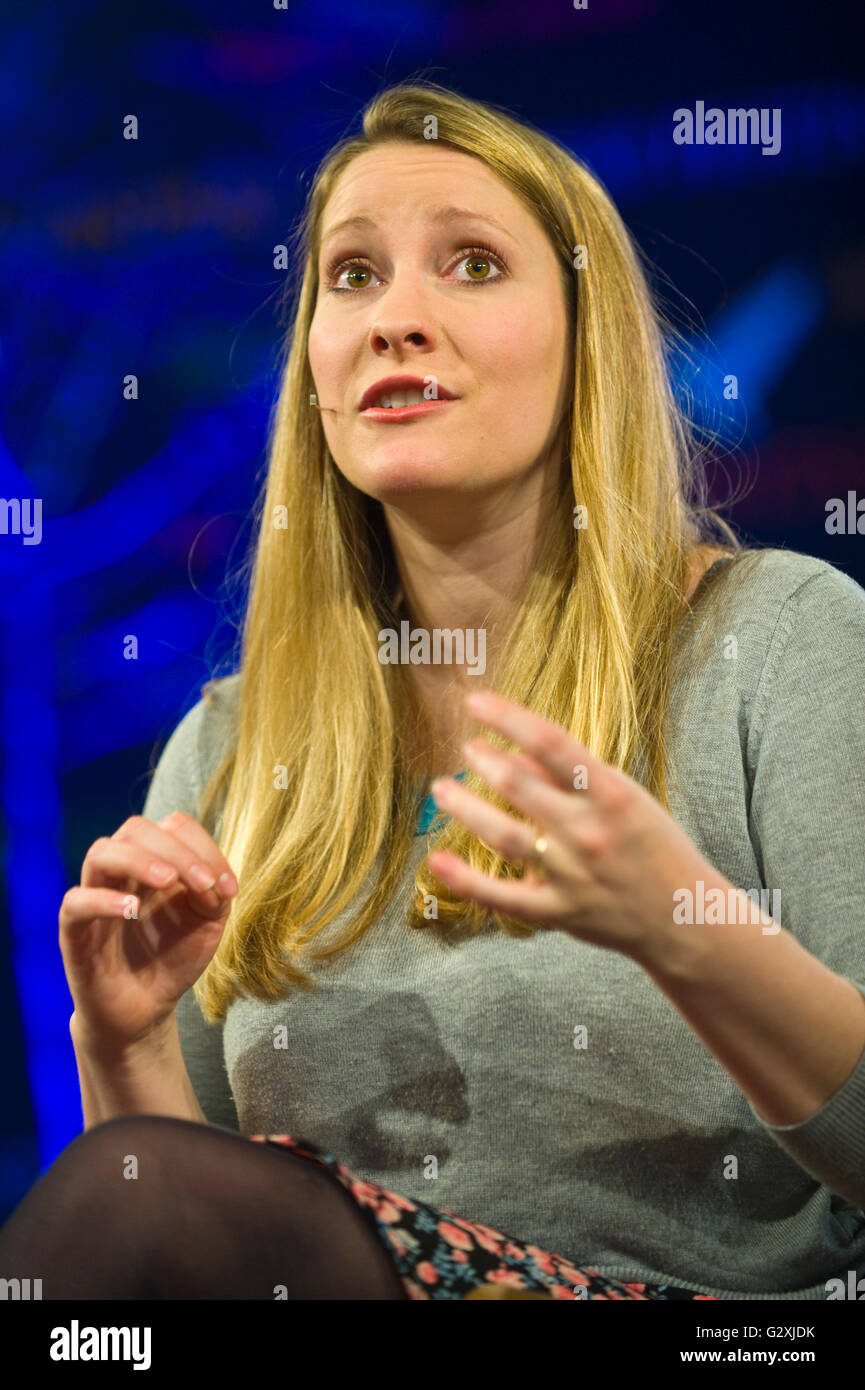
x=404, y=404
x=396, y=400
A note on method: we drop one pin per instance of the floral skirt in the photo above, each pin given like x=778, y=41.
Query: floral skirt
x=440, y=1255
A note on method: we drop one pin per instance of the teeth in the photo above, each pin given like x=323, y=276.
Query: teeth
x=413, y=396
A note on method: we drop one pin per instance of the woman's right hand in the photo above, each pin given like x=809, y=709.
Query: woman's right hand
x=133, y=942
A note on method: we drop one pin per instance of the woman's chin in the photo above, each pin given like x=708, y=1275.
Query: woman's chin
x=390, y=481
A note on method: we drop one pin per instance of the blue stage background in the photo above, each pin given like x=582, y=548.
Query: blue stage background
x=154, y=257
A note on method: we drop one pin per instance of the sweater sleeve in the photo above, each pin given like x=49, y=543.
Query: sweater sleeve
x=806, y=755
x=177, y=784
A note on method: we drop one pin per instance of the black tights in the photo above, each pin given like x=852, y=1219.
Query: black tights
x=210, y=1215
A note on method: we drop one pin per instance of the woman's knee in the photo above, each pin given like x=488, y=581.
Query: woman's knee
x=125, y=1146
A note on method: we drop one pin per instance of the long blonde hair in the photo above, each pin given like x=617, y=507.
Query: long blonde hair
x=318, y=788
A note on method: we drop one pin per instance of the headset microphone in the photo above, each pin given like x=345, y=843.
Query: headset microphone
x=313, y=400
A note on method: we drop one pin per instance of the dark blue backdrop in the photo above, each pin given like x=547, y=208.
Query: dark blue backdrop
x=154, y=257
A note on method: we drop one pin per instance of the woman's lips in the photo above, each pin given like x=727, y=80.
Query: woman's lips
x=403, y=412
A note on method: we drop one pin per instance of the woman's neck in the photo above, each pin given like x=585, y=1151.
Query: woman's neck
x=439, y=725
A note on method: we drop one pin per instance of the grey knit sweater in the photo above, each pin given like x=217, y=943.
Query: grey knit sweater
x=615, y=1155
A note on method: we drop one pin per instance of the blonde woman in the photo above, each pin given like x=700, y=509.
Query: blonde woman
x=399, y=990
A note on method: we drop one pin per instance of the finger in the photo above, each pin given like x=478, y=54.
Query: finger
x=495, y=827
x=530, y=900
x=188, y=829
x=548, y=743
x=546, y=806
x=197, y=878
x=82, y=905
x=540, y=771
x=127, y=862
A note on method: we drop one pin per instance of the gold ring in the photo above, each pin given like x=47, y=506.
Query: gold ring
x=540, y=849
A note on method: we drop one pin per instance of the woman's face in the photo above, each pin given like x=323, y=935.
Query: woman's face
x=488, y=324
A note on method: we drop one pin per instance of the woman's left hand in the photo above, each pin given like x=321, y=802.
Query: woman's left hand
x=613, y=858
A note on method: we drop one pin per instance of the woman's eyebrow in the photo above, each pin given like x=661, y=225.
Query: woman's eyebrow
x=440, y=215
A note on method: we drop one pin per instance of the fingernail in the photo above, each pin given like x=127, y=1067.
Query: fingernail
x=227, y=884
x=161, y=872
x=201, y=878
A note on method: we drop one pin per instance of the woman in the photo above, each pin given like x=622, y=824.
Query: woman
x=596, y=1067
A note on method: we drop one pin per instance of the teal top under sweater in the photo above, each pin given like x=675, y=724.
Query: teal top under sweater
x=428, y=810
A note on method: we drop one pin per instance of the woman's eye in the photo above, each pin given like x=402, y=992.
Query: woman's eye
x=479, y=260
x=352, y=271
